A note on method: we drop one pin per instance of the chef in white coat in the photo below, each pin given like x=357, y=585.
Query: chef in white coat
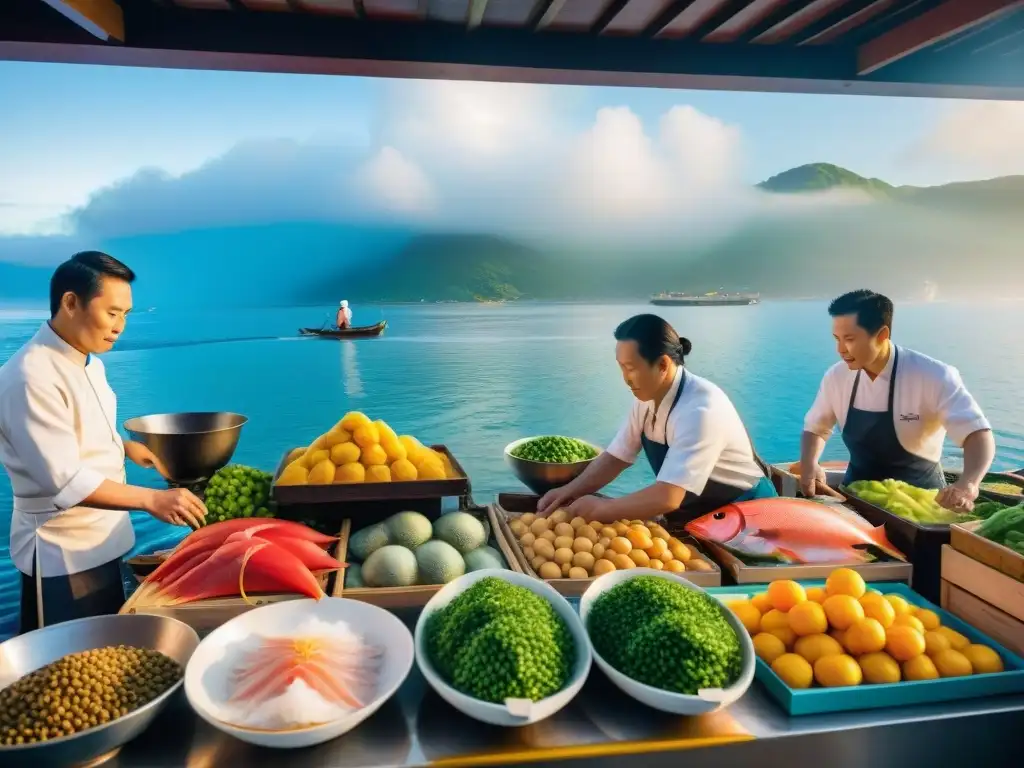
x=894, y=408
x=59, y=443
x=687, y=428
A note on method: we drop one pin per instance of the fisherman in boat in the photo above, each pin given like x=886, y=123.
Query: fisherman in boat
x=60, y=446
x=688, y=429
x=894, y=408
x=344, y=319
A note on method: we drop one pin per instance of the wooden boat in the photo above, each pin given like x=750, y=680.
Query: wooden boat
x=357, y=332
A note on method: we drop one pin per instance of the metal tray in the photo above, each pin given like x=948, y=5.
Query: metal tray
x=343, y=493
x=513, y=504
x=742, y=573
x=821, y=700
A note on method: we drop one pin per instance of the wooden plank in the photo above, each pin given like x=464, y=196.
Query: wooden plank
x=102, y=18
x=576, y=587
x=983, y=582
x=946, y=20
x=984, y=617
x=963, y=537
x=419, y=595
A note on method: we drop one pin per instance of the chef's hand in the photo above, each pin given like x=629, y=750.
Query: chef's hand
x=554, y=500
x=958, y=497
x=814, y=482
x=590, y=508
x=178, y=506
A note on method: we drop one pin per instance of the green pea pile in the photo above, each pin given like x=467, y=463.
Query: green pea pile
x=554, y=449
x=498, y=640
x=238, y=491
x=665, y=635
x=81, y=691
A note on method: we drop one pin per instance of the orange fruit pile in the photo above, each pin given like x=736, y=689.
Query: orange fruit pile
x=844, y=634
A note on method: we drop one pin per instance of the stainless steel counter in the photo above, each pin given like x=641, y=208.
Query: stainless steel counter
x=603, y=727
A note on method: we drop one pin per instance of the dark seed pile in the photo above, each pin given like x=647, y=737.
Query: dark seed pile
x=81, y=691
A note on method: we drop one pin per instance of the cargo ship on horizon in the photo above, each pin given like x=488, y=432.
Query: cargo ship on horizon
x=714, y=299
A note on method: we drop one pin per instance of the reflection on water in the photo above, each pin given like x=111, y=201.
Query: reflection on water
x=350, y=369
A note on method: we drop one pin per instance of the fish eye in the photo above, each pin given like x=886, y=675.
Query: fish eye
x=719, y=515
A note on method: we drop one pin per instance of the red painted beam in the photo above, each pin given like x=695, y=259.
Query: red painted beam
x=946, y=20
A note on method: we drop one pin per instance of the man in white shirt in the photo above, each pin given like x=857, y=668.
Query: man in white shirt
x=344, y=318
x=60, y=446
x=894, y=408
x=687, y=428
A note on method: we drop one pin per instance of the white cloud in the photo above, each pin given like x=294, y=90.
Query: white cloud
x=396, y=184
x=481, y=156
x=976, y=137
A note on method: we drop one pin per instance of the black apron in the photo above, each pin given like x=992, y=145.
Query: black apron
x=715, y=495
x=55, y=599
x=875, y=449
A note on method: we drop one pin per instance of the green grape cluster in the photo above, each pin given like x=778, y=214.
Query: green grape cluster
x=238, y=491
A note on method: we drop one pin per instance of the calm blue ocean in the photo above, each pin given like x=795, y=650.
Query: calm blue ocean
x=476, y=377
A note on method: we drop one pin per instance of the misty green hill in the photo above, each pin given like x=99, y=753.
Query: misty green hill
x=963, y=236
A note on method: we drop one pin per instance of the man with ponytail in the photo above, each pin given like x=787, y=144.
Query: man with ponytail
x=687, y=428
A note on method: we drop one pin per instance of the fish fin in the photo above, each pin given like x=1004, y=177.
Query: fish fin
x=880, y=540
x=812, y=555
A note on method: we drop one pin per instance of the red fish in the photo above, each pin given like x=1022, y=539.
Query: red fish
x=220, y=531
x=204, y=542
x=798, y=530
x=253, y=564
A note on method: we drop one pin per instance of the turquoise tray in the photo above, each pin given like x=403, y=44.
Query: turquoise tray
x=814, y=701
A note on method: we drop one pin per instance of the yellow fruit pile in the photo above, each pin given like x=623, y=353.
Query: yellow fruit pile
x=358, y=450
x=845, y=634
x=559, y=548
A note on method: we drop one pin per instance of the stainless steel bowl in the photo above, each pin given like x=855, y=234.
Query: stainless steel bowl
x=27, y=653
x=191, y=446
x=541, y=476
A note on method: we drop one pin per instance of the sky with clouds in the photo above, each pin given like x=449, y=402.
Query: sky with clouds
x=97, y=152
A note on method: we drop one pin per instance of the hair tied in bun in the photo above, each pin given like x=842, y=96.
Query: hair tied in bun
x=685, y=346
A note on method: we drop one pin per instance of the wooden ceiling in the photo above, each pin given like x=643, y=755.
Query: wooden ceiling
x=966, y=48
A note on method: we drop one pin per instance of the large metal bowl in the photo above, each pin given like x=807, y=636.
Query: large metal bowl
x=27, y=653
x=191, y=446
x=541, y=476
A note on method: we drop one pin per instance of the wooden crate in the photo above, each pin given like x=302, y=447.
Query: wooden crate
x=346, y=493
x=786, y=479
x=394, y=598
x=511, y=505
x=742, y=573
x=964, y=538
x=985, y=583
x=986, y=618
x=204, y=616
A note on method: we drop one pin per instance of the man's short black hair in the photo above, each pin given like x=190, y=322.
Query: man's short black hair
x=82, y=275
x=873, y=310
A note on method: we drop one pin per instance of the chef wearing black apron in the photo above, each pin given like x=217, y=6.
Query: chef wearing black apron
x=716, y=494
x=875, y=449
x=894, y=408
x=688, y=429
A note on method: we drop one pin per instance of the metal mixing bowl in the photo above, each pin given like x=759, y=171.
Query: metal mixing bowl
x=191, y=446
x=29, y=652
x=540, y=476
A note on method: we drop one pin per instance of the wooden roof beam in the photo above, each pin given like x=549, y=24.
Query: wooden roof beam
x=102, y=18
x=544, y=13
x=475, y=15
x=940, y=23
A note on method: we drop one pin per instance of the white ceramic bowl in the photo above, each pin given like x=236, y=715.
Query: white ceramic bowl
x=706, y=700
x=206, y=677
x=501, y=714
